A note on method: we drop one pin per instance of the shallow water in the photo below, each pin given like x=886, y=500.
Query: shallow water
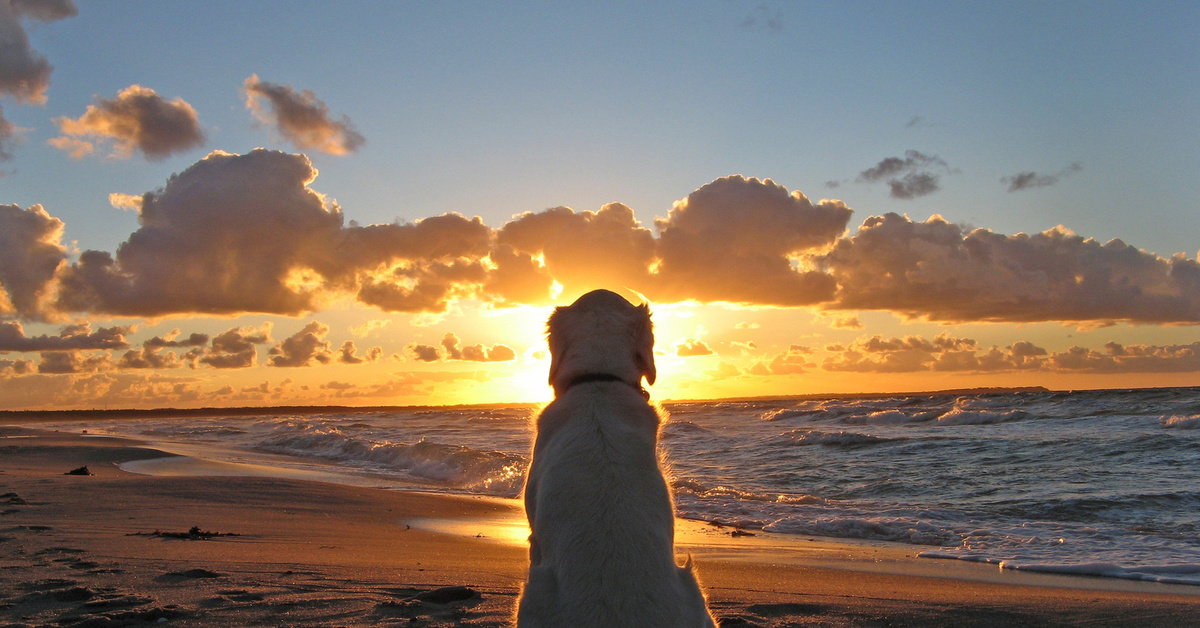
x=1099, y=482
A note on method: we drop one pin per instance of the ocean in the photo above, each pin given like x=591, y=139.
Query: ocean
x=1100, y=483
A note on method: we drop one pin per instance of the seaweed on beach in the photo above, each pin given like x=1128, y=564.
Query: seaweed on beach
x=193, y=534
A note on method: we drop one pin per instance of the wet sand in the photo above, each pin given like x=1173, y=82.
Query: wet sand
x=114, y=549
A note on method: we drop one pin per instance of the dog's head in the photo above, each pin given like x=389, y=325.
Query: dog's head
x=601, y=333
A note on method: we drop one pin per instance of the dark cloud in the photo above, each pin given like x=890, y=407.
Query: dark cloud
x=1030, y=179
x=306, y=347
x=235, y=348
x=9, y=368
x=25, y=74
x=736, y=240
x=301, y=118
x=137, y=119
x=939, y=271
x=30, y=253
x=172, y=340
x=347, y=354
x=425, y=353
x=64, y=362
x=149, y=358
x=8, y=138
x=912, y=176
x=70, y=338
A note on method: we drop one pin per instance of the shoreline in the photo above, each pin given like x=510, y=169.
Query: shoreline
x=74, y=548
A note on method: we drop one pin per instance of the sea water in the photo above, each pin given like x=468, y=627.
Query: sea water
x=1104, y=483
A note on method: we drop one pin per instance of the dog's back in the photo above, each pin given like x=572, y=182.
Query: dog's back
x=602, y=542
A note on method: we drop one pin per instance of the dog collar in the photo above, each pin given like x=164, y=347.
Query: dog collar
x=603, y=377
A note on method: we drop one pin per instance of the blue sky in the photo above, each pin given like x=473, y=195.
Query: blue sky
x=491, y=110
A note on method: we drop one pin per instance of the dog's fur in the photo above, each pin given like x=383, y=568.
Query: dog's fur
x=601, y=551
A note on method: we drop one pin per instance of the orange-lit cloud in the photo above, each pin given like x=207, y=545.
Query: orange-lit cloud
x=25, y=74
x=300, y=117
x=137, y=119
x=450, y=350
x=237, y=234
x=30, y=253
x=691, y=347
x=736, y=240
x=939, y=271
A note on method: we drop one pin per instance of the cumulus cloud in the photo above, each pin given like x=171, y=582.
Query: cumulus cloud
x=306, y=347
x=137, y=119
x=940, y=271
x=348, y=354
x=1030, y=179
x=579, y=250
x=691, y=347
x=234, y=348
x=63, y=362
x=914, y=175
x=1118, y=358
x=71, y=338
x=477, y=352
x=25, y=74
x=450, y=350
x=740, y=240
x=877, y=354
x=10, y=368
x=300, y=117
x=30, y=253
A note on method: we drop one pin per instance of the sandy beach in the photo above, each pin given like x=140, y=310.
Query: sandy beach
x=117, y=548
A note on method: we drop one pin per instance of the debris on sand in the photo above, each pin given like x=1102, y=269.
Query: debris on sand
x=194, y=534
x=79, y=471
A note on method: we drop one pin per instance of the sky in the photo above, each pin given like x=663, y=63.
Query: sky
x=380, y=203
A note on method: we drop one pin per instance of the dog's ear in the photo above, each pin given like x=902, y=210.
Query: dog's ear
x=645, y=345
x=551, y=334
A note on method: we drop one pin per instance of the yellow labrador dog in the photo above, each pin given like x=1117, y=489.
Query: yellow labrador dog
x=601, y=551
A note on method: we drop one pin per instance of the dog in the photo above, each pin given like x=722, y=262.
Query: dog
x=602, y=542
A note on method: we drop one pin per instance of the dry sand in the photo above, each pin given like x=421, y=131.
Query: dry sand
x=82, y=551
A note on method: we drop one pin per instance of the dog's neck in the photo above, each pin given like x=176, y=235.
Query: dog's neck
x=586, y=378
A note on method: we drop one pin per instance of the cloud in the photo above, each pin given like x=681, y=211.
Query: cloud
x=450, y=350
x=225, y=236
x=914, y=175
x=579, y=250
x=1030, y=179
x=8, y=138
x=347, y=354
x=738, y=240
x=301, y=118
x=30, y=254
x=234, y=348
x=137, y=119
x=10, y=368
x=306, y=347
x=939, y=271
x=70, y=338
x=790, y=362
x=425, y=353
x=1118, y=358
x=691, y=347
x=370, y=327
x=63, y=362
x=25, y=74
x=877, y=354
x=476, y=353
